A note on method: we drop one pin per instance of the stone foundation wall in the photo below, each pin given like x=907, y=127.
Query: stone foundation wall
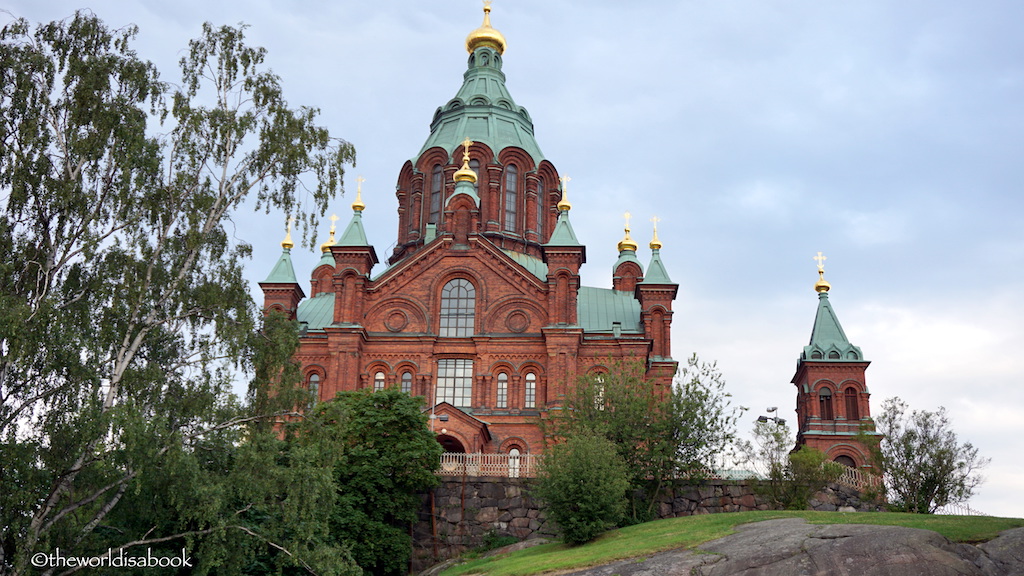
x=460, y=513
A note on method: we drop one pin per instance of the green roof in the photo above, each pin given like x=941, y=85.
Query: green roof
x=354, y=234
x=828, y=341
x=627, y=256
x=316, y=312
x=483, y=111
x=283, y=272
x=598, y=308
x=656, y=273
x=536, y=266
x=563, y=235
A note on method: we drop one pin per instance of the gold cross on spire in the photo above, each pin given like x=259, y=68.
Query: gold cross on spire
x=334, y=222
x=287, y=243
x=627, y=216
x=821, y=261
x=358, y=205
x=655, y=243
x=465, y=149
x=563, y=204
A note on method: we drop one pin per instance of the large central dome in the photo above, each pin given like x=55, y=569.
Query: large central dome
x=483, y=110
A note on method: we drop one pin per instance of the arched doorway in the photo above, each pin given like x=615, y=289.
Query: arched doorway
x=451, y=444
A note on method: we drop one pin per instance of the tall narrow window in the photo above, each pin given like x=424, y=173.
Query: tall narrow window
x=530, y=399
x=852, y=410
x=314, y=388
x=474, y=165
x=458, y=309
x=378, y=381
x=825, y=400
x=434, y=216
x=540, y=210
x=513, y=462
x=455, y=382
x=407, y=382
x=511, y=196
x=501, y=400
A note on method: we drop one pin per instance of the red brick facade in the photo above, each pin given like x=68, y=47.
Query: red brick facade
x=480, y=308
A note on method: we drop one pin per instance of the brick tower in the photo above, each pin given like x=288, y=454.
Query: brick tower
x=832, y=399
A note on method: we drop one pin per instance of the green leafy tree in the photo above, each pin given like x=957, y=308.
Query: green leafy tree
x=124, y=316
x=660, y=433
x=583, y=483
x=789, y=477
x=924, y=464
x=383, y=458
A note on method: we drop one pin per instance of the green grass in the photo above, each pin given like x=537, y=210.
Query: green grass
x=691, y=531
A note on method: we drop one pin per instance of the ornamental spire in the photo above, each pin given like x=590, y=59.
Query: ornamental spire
x=465, y=174
x=563, y=204
x=627, y=243
x=326, y=246
x=655, y=243
x=821, y=285
x=287, y=243
x=358, y=205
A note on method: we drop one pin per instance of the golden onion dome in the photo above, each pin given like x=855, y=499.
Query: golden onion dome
x=287, y=243
x=485, y=35
x=627, y=243
x=563, y=203
x=655, y=243
x=358, y=205
x=822, y=285
x=326, y=246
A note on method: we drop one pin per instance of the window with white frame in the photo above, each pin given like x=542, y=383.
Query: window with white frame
x=455, y=382
x=501, y=400
x=458, y=309
x=378, y=381
x=530, y=391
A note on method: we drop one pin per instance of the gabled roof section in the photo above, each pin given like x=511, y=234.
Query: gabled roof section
x=283, y=272
x=828, y=340
x=598, y=309
x=316, y=313
x=536, y=266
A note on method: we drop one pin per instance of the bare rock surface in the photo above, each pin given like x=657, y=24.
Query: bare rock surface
x=791, y=547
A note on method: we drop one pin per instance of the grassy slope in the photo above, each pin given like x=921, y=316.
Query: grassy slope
x=690, y=531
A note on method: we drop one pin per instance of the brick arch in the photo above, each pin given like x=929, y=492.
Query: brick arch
x=517, y=156
x=500, y=316
x=372, y=368
x=849, y=450
x=397, y=314
x=514, y=441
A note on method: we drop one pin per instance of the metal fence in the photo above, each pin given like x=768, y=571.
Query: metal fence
x=859, y=480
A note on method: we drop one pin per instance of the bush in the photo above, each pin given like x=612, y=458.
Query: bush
x=583, y=484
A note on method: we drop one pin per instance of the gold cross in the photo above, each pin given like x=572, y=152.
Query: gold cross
x=334, y=219
x=465, y=145
x=359, y=184
x=565, y=183
x=627, y=216
x=291, y=220
x=655, y=220
x=821, y=261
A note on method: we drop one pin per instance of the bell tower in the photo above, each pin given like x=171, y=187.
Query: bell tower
x=832, y=398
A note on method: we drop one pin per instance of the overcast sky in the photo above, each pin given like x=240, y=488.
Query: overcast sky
x=888, y=135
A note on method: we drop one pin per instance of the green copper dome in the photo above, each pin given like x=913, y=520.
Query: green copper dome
x=483, y=111
x=828, y=340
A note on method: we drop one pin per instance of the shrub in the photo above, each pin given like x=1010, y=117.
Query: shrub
x=583, y=484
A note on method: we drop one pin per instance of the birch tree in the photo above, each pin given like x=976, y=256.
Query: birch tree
x=124, y=316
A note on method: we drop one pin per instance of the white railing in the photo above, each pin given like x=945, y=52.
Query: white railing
x=859, y=480
x=500, y=465
x=959, y=510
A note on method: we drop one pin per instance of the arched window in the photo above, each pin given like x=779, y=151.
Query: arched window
x=513, y=462
x=825, y=400
x=846, y=461
x=530, y=399
x=474, y=165
x=313, y=384
x=458, y=309
x=599, y=401
x=511, y=196
x=407, y=382
x=378, y=381
x=501, y=400
x=434, y=216
x=852, y=410
x=833, y=355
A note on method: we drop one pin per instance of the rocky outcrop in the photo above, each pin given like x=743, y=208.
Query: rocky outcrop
x=792, y=547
